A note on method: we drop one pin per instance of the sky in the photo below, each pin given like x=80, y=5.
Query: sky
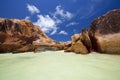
x=59, y=19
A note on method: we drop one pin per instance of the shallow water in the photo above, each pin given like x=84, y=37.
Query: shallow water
x=59, y=66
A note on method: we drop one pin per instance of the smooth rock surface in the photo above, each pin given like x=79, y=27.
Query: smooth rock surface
x=104, y=33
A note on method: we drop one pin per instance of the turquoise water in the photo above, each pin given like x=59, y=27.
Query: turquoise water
x=59, y=66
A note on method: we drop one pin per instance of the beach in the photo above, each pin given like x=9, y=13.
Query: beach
x=58, y=65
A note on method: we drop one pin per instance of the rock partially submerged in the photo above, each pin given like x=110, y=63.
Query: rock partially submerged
x=103, y=36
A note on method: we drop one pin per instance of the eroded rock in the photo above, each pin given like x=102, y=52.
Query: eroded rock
x=21, y=36
x=103, y=36
x=77, y=45
x=104, y=33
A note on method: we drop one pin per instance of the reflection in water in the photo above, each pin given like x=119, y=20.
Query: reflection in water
x=51, y=66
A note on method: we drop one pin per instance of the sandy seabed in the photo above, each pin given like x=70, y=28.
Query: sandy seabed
x=57, y=65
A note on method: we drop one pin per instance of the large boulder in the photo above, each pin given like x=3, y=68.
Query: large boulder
x=75, y=38
x=77, y=45
x=86, y=40
x=103, y=36
x=104, y=33
x=21, y=35
x=79, y=48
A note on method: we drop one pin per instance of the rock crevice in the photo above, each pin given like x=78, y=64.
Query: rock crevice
x=21, y=35
x=103, y=35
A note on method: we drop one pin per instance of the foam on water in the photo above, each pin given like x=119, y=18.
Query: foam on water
x=58, y=65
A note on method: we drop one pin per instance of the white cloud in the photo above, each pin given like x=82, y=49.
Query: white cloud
x=63, y=32
x=47, y=24
x=27, y=18
x=62, y=13
x=72, y=24
x=68, y=41
x=32, y=9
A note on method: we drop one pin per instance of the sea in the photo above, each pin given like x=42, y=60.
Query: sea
x=59, y=65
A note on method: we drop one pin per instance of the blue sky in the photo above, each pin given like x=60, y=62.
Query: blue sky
x=59, y=19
